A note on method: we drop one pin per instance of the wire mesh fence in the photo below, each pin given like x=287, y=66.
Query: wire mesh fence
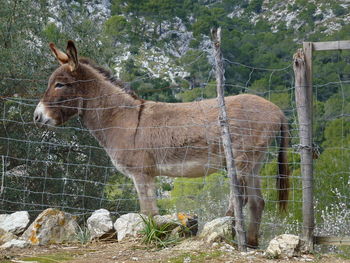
x=331, y=173
x=64, y=167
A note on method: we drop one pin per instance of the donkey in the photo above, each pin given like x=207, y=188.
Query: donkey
x=145, y=139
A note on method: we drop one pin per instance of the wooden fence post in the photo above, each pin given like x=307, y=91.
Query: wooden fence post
x=302, y=65
x=227, y=144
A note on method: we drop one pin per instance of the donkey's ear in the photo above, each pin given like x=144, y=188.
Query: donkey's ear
x=72, y=53
x=60, y=56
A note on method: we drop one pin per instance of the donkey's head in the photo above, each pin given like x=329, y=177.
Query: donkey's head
x=63, y=96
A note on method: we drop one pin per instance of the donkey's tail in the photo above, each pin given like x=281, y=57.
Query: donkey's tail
x=283, y=169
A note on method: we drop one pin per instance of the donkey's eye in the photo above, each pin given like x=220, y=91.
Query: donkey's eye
x=59, y=85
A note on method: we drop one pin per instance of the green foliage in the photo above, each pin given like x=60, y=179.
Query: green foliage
x=207, y=19
x=268, y=185
x=115, y=26
x=331, y=173
x=52, y=33
x=206, y=197
x=281, y=99
x=83, y=235
x=255, y=6
x=336, y=133
x=206, y=92
x=307, y=14
x=155, y=235
x=338, y=9
x=121, y=192
x=319, y=123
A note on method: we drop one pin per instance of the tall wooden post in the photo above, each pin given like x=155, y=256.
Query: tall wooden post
x=302, y=65
x=227, y=143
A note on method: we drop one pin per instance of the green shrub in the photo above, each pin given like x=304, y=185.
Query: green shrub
x=155, y=235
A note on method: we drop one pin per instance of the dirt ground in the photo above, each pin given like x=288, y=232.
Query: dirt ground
x=189, y=251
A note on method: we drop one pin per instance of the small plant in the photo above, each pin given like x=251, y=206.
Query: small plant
x=83, y=235
x=158, y=235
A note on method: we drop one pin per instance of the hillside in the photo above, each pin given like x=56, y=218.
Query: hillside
x=158, y=37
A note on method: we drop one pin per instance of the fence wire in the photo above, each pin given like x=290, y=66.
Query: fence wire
x=65, y=168
x=331, y=134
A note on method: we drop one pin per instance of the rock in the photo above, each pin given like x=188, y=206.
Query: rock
x=171, y=220
x=100, y=224
x=219, y=229
x=129, y=225
x=284, y=245
x=15, y=243
x=6, y=236
x=180, y=224
x=15, y=223
x=52, y=226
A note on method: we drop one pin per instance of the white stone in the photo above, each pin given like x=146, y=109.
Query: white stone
x=6, y=236
x=284, y=245
x=218, y=229
x=52, y=226
x=100, y=223
x=129, y=225
x=15, y=223
x=15, y=243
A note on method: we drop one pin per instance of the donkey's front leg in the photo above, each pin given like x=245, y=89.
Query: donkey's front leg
x=145, y=187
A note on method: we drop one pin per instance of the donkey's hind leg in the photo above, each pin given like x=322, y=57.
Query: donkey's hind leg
x=255, y=206
x=242, y=195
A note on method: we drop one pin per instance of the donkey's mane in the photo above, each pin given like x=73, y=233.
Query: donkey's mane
x=107, y=74
x=117, y=82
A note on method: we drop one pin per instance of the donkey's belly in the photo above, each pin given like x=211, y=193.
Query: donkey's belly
x=186, y=169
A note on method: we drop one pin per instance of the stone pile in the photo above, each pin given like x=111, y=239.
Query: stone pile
x=53, y=226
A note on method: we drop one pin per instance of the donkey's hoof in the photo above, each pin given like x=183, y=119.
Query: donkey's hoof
x=253, y=244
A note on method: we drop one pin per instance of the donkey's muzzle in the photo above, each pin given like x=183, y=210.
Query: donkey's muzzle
x=41, y=116
x=37, y=117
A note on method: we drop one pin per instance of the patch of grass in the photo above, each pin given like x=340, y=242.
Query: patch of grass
x=344, y=252
x=53, y=258
x=83, y=235
x=199, y=257
x=159, y=236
